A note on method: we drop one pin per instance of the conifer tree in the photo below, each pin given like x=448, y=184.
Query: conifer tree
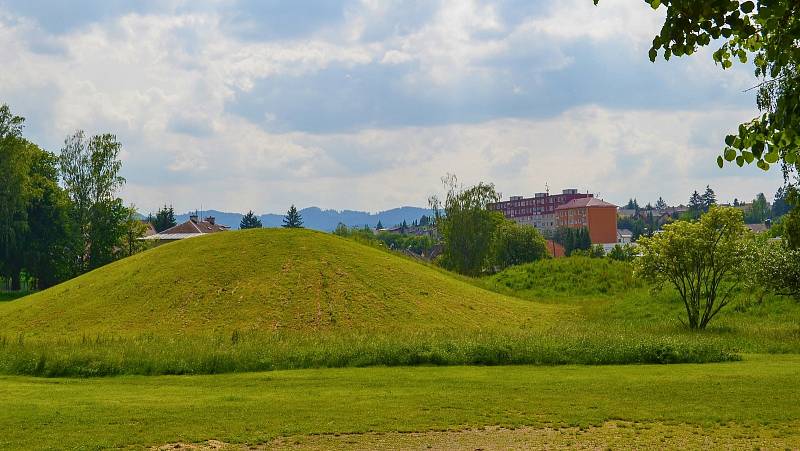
x=661, y=204
x=165, y=218
x=250, y=221
x=379, y=226
x=293, y=220
x=709, y=198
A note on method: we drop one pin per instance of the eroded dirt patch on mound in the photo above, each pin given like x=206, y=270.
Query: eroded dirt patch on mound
x=612, y=434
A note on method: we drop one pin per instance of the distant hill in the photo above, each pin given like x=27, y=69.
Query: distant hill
x=324, y=220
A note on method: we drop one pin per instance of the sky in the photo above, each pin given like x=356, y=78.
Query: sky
x=243, y=105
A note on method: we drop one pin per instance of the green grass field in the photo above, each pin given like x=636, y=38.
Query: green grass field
x=285, y=299
x=385, y=352
x=742, y=404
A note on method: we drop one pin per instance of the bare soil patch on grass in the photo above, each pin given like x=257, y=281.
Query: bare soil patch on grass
x=612, y=434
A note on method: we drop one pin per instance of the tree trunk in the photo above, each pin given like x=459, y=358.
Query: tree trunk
x=15, y=281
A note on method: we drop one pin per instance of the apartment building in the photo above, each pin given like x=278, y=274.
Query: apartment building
x=538, y=211
x=598, y=216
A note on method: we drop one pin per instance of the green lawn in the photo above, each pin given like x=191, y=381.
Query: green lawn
x=754, y=398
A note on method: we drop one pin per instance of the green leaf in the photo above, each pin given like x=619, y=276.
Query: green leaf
x=747, y=7
x=772, y=157
x=655, y=4
x=720, y=162
x=653, y=54
x=729, y=139
x=763, y=165
x=740, y=160
x=730, y=154
x=748, y=156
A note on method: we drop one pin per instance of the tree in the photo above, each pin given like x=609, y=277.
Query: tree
x=90, y=172
x=466, y=225
x=424, y=221
x=702, y=260
x=51, y=238
x=134, y=231
x=780, y=207
x=293, y=220
x=759, y=210
x=515, y=244
x=773, y=267
x=573, y=239
x=709, y=199
x=623, y=253
x=165, y=219
x=791, y=221
x=250, y=221
x=14, y=193
x=696, y=204
x=379, y=226
x=403, y=227
x=632, y=204
x=661, y=204
x=764, y=32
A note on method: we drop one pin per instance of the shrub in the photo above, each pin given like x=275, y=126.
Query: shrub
x=515, y=244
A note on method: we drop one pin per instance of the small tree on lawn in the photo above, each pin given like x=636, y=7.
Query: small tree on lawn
x=250, y=221
x=293, y=220
x=702, y=260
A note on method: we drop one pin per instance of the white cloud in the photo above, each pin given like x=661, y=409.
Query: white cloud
x=163, y=83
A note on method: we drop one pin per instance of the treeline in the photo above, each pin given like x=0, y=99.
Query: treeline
x=421, y=245
x=60, y=215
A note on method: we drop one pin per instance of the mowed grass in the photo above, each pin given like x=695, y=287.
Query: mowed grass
x=745, y=403
x=263, y=280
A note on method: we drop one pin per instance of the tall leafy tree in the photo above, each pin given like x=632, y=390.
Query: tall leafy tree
x=293, y=219
x=661, y=204
x=51, y=237
x=759, y=210
x=164, y=219
x=780, y=207
x=465, y=224
x=14, y=193
x=90, y=171
x=250, y=221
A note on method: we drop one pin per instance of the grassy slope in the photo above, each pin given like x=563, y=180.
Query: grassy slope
x=263, y=280
x=608, y=297
x=256, y=407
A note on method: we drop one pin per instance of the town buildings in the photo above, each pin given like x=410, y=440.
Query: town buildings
x=598, y=216
x=538, y=211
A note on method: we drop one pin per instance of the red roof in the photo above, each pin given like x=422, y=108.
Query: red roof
x=586, y=202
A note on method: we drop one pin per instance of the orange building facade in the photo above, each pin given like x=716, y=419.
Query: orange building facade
x=596, y=215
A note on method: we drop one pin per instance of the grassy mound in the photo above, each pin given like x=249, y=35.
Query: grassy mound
x=262, y=280
x=278, y=299
x=565, y=277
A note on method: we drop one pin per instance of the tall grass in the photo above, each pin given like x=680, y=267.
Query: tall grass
x=147, y=355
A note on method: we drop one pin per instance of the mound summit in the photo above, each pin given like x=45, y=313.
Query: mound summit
x=263, y=280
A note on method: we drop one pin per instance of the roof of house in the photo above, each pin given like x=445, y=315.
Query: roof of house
x=585, y=202
x=190, y=226
x=624, y=232
x=189, y=229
